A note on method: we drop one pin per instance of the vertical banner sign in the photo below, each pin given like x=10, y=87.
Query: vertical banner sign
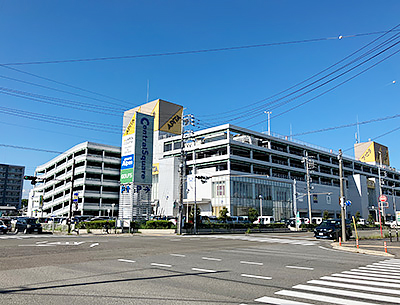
x=143, y=157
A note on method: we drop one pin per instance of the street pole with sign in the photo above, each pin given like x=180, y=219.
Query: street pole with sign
x=342, y=198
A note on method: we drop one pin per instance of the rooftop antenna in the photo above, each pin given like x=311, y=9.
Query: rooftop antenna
x=147, y=98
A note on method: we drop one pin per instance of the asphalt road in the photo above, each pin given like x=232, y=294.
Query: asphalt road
x=223, y=269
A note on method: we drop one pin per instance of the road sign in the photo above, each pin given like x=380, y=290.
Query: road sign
x=382, y=198
x=75, y=197
x=348, y=202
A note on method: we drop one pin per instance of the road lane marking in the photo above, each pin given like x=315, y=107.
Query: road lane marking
x=321, y=298
x=126, y=260
x=211, y=259
x=251, y=263
x=178, y=255
x=277, y=301
x=360, y=276
x=353, y=294
x=161, y=265
x=257, y=276
x=352, y=286
x=380, y=270
x=298, y=267
x=387, y=265
x=204, y=270
x=41, y=242
x=376, y=273
x=94, y=245
x=365, y=282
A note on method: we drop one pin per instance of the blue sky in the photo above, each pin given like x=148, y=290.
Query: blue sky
x=207, y=84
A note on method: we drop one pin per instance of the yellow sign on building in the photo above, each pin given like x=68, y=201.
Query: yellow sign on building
x=372, y=152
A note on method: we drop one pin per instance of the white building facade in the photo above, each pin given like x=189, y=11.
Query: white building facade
x=95, y=179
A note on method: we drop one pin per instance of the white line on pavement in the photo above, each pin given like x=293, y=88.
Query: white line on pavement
x=352, y=294
x=321, y=298
x=203, y=270
x=298, y=267
x=257, y=276
x=277, y=301
x=126, y=260
x=178, y=255
x=251, y=263
x=361, y=276
x=351, y=286
x=211, y=259
x=365, y=282
x=94, y=245
x=375, y=273
x=161, y=265
x=376, y=269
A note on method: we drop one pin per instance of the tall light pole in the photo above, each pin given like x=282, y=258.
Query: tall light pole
x=269, y=121
x=309, y=165
x=342, y=198
x=261, y=212
x=380, y=204
x=71, y=196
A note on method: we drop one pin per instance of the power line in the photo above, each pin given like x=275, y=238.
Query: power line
x=190, y=51
x=259, y=108
x=347, y=125
x=31, y=148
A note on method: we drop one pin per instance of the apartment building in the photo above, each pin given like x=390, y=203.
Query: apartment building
x=11, y=186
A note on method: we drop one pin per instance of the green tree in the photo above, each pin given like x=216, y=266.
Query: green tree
x=191, y=218
x=223, y=214
x=371, y=219
x=252, y=214
x=24, y=203
x=325, y=215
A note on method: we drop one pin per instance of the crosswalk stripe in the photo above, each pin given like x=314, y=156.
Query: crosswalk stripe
x=381, y=270
x=383, y=266
x=353, y=294
x=375, y=273
x=352, y=286
x=321, y=298
x=365, y=282
x=277, y=301
x=360, y=277
x=386, y=265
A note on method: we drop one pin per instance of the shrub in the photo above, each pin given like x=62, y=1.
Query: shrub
x=159, y=224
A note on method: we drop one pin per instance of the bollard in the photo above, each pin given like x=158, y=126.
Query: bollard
x=340, y=241
x=358, y=246
x=385, y=245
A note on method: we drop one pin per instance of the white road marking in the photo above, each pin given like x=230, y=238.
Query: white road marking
x=178, y=255
x=277, y=301
x=353, y=294
x=126, y=260
x=387, y=265
x=94, y=245
x=375, y=273
x=211, y=259
x=251, y=263
x=380, y=270
x=41, y=242
x=375, y=282
x=298, y=267
x=257, y=276
x=355, y=287
x=203, y=270
x=321, y=298
x=360, y=276
x=161, y=265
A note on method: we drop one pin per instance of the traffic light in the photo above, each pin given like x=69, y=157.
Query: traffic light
x=31, y=178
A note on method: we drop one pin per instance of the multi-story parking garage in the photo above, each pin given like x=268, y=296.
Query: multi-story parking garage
x=95, y=179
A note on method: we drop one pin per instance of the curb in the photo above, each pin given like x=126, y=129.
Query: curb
x=362, y=251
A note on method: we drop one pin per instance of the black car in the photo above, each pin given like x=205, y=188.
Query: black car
x=332, y=229
x=28, y=225
x=3, y=227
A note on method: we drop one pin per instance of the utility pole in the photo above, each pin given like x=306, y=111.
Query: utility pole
x=394, y=209
x=295, y=204
x=380, y=203
x=309, y=165
x=261, y=211
x=195, y=192
x=342, y=198
x=72, y=195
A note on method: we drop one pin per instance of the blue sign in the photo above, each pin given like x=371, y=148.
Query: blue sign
x=127, y=162
x=348, y=202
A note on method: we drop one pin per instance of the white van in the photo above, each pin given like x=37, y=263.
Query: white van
x=264, y=220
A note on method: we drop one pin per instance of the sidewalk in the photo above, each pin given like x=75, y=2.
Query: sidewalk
x=373, y=246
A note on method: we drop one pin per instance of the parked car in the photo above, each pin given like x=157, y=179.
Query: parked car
x=332, y=229
x=28, y=225
x=7, y=223
x=3, y=227
x=264, y=220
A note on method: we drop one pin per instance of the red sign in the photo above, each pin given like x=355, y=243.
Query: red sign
x=382, y=198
